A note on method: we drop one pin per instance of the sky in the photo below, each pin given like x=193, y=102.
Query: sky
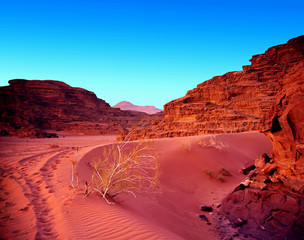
x=147, y=52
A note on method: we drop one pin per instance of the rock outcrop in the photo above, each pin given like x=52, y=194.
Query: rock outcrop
x=124, y=105
x=271, y=198
x=30, y=108
x=233, y=102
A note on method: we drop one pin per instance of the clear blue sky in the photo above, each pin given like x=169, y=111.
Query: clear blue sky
x=148, y=52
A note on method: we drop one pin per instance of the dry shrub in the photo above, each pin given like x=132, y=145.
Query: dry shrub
x=186, y=145
x=213, y=143
x=209, y=172
x=220, y=176
x=225, y=172
x=74, y=171
x=125, y=168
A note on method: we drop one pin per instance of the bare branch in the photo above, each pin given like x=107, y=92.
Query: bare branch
x=125, y=170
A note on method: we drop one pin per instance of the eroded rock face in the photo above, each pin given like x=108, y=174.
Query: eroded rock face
x=29, y=108
x=233, y=102
x=273, y=199
x=266, y=214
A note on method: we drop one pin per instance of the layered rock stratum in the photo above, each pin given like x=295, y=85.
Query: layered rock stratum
x=31, y=108
x=269, y=203
x=124, y=105
x=233, y=102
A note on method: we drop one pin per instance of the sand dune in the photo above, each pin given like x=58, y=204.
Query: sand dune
x=38, y=202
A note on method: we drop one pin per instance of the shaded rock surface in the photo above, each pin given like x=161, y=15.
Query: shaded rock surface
x=272, y=201
x=206, y=208
x=265, y=214
x=29, y=108
x=235, y=101
x=124, y=105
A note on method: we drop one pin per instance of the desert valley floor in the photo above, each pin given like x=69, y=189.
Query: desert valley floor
x=38, y=202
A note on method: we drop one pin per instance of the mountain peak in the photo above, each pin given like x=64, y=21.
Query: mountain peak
x=125, y=105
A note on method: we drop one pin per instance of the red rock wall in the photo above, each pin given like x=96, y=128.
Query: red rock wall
x=271, y=199
x=233, y=102
x=30, y=107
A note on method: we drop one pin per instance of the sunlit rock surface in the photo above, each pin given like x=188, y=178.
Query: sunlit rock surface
x=235, y=101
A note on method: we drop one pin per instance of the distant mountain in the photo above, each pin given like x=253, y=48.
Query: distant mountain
x=124, y=105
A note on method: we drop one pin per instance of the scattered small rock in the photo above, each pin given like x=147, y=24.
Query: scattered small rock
x=204, y=218
x=240, y=222
x=206, y=208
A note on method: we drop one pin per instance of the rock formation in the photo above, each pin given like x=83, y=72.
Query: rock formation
x=124, y=105
x=31, y=108
x=233, y=102
x=271, y=198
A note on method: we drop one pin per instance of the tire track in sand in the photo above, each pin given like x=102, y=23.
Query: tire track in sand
x=36, y=179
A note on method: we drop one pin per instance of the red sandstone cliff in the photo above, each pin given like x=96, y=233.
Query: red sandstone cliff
x=269, y=203
x=233, y=102
x=29, y=108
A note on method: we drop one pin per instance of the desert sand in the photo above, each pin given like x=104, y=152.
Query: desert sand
x=38, y=202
